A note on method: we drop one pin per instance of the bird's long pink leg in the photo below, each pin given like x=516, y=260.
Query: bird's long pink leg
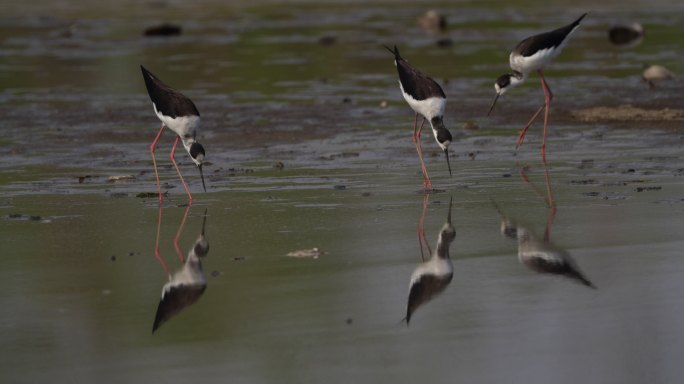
x=157, y=254
x=427, y=184
x=153, y=147
x=548, y=96
x=521, y=137
x=173, y=160
x=176, y=239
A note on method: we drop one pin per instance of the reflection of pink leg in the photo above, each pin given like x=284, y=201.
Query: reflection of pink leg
x=427, y=184
x=422, y=240
x=173, y=160
x=157, y=254
x=153, y=146
x=549, y=195
x=176, y=239
x=549, y=224
x=548, y=96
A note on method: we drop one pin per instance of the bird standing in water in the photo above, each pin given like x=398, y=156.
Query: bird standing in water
x=533, y=54
x=179, y=114
x=427, y=100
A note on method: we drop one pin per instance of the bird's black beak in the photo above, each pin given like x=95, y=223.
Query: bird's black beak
x=446, y=153
x=202, y=176
x=493, y=104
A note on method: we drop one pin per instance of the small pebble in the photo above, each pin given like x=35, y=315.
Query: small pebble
x=163, y=30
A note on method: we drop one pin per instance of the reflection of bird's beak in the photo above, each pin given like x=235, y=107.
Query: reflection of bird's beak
x=204, y=221
x=451, y=202
x=493, y=104
x=446, y=152
x=202, y=176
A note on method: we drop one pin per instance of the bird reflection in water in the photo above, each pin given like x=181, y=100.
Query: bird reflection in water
x=187, y=284
x=432, y=276
x=541, y=255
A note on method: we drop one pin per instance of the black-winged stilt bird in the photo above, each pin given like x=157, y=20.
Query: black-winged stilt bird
x=187, y=284
x=432, y=277
x=179, y=114
x=533, y=54
x=427, y=100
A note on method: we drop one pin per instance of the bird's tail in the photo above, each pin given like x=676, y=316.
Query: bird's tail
x=394, y=51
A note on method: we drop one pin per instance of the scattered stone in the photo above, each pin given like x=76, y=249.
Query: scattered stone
x=279, y=165
x=506, y=175
x=470, y=126
x=113, y=258
x=118, y=195
x=587, y=163
x=349, y=321
x=445, y=42
x=340, y=187
x=590, y=194
x=164, y=29
x=113, y=179
x=146, y=195
x=239, y=258
x=642, y=189
x=366, y=194
x=313, y=253
x=383, y=104
x=327, y=40
x=584, y=182
x=347, y=100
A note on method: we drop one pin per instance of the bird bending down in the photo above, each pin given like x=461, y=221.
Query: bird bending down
x=427, y=100
x=179, y=114
x=533, y=54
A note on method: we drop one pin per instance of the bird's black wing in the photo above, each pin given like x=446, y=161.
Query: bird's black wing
x=552, y=39
x=168, y=101
x=417, y=84
x=424, y=290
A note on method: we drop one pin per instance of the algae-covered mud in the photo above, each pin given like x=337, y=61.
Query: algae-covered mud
x=314, y=239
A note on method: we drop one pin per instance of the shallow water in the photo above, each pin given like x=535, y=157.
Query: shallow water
x=81, y=285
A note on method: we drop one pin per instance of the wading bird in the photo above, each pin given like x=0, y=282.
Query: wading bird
x=179, y=114
x=534, y=54
x=427, y=100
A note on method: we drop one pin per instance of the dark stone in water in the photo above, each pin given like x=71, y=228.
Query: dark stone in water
x=327, y=40
x=642, y=189
x=340, y=187
x=163, y=30
x=445, y=42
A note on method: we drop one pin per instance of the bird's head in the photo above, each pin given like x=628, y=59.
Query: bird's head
x=443, y=137
x=196, y=151
x=504, y=83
